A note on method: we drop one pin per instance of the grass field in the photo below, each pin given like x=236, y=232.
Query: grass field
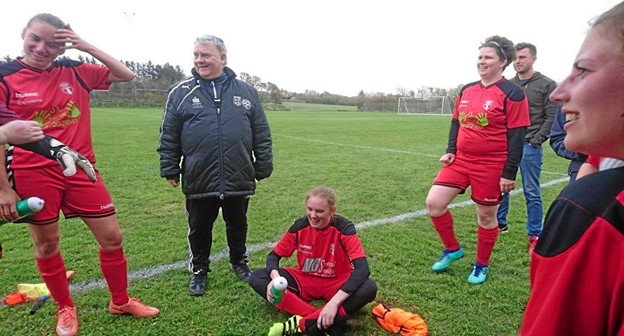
x=381, y=166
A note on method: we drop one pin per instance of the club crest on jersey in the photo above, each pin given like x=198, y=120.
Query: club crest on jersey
x=66, y=88
x=487, y=105
x=196, y=103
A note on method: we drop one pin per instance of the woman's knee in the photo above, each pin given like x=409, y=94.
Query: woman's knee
x=259, y=280
x=370, y=290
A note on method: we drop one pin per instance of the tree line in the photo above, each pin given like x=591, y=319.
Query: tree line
x=152, y=81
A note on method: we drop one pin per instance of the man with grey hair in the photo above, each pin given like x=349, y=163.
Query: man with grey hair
x=215, y=125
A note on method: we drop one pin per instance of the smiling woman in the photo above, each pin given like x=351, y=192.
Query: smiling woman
x=56, y=94
x=576, y=268
x=484, y=151
x=332, y=267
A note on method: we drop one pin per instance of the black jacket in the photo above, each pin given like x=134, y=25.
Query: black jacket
x=225, y=146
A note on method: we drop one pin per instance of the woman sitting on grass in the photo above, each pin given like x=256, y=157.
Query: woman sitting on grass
x=332, y=266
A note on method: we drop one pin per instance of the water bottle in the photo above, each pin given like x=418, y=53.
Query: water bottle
x=278, y=287
x=27, y=206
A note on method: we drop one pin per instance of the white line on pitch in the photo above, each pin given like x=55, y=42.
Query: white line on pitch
x=149, y=272
x=357, y=146
x=316, y=141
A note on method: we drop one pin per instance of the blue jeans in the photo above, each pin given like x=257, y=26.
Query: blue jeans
x=530, y=170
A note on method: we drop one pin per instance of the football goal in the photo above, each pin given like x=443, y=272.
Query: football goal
x=431, y=105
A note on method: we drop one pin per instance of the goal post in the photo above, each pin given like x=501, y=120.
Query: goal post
x=430, y=105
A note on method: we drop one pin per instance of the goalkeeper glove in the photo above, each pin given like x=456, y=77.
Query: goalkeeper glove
x=68, y=158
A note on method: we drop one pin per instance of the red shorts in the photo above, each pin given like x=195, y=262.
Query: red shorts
x=75, y=195
x=483, y=176
x=314, y=287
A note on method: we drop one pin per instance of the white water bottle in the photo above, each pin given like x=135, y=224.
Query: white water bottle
x=278, y=287
x=26, y=207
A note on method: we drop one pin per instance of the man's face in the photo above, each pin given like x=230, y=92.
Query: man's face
x=524, y=61
x=208, y=61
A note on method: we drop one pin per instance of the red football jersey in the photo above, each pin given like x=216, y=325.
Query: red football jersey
x=485, y=113
x=57, y=98
x=577, y=268
x=324, y=253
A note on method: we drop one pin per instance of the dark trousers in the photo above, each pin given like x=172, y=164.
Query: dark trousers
x=202, y=214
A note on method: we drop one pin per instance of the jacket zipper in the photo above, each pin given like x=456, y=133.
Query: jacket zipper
x=217, y=102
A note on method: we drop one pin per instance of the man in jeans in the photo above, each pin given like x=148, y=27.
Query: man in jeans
x=542, y=112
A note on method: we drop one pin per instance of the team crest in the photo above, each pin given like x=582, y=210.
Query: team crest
x=246, y=104
x=237, y=101
x=66, y=88
x=196, y=103
x=488, y=105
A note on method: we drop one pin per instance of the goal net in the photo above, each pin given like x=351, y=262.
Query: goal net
x=431, y=105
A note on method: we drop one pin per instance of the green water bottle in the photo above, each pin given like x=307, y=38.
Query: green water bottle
x=278, y=287
x=27, y=206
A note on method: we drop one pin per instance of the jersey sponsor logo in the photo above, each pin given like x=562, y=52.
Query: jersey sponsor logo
x=319, y=266
x=66, y=88
x=196, y=103
x=472, y=120
x=490, y=199
x=463, y=103
x=311, y=265
x=58, y=117
x=332, y=248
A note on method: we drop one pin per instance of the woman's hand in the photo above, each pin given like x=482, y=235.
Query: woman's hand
x=68, y=39
x=327, y=315
x=447, y=158
x=507, y=185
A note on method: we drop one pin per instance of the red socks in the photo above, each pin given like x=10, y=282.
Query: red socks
x=114, y=268
x=444, y=226
x=486, y=239
x=293, y=304
x=54, y=275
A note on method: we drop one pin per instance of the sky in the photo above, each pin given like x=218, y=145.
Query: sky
x=341, y=47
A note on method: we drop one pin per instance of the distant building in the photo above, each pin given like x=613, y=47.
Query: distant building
x=287, y=95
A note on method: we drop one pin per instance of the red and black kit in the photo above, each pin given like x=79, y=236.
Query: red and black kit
x=577, y=269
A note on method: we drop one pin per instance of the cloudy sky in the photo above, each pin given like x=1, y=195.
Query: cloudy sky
x=336, y=46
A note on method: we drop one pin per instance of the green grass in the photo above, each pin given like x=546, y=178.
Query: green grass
x=380, y=164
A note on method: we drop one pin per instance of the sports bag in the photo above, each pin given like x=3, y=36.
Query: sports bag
x=399, y=321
